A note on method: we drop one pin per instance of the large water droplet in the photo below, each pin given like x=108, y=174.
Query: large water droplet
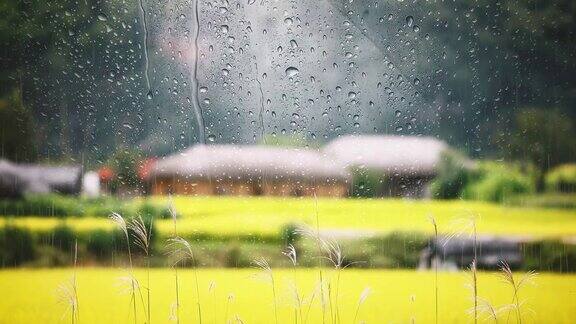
x=211, y=138
x=409, y=21
x=102, y=17
x=292, y=71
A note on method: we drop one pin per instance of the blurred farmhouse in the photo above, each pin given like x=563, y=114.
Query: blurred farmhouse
x=249, y=170
x=404, y=165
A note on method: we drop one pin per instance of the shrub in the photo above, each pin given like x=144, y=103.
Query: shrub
x=43, y=205
x=101, y=243
x=63, y=238
x=65, y=206
x=289, y=234
x=549, y=200
x=562, y=178
x=17, y=246
x=496, y=181
x=150, y=210
x=401, y=249
x=453, y=175
x=549, y=256
x=367, y=183
x=125, y=163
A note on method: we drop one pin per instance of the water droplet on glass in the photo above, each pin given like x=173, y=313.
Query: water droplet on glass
x=292, y=71
x=211, y=138
x=102, y=17
x=409, y=21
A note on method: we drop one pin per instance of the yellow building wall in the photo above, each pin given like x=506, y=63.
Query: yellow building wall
x=177, y=186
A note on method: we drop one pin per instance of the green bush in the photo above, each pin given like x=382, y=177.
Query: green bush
x=402, y=249
x=63, y=238
x=42, y=205
x=66, y=206
x=102, y=244
x=453, y=175
x=289, y=234
x=367, y=183
x=562, y=178
x=150, y=210
x=17, y=246
x=553, y=256
x=547, y=200
x=496, y=181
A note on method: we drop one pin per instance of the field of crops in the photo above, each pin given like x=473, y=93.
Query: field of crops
x=227, y=296
x=262, y=215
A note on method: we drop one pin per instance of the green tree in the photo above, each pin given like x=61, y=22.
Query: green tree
x=125, y=162
x=545, y=137
x=16, y=129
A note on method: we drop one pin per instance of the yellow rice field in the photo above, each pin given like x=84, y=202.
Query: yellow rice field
x=244, y=296
x=266, y=216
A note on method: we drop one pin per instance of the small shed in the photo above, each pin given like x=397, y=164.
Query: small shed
x=458, y=253
x=16, y=180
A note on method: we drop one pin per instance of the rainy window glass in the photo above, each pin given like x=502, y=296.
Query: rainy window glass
x=267, y=161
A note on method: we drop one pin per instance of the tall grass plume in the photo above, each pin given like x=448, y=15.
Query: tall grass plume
x=516, y=284
x=266, y=271
x=181, y=250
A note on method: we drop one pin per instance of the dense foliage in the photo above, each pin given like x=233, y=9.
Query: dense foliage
x=481, y=68
x=453, y=175
x=562, y=178
x=65, y=206
x=494, y=181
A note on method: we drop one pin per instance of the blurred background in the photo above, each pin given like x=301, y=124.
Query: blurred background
x=250, y=122
x=104, y=102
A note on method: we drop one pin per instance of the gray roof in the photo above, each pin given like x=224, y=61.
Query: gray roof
x=19, y=179
x=413, y=155
x=250, y=162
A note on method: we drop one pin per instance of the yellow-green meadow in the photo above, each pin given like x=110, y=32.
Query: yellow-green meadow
x=245, y=296
x=266, y=215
